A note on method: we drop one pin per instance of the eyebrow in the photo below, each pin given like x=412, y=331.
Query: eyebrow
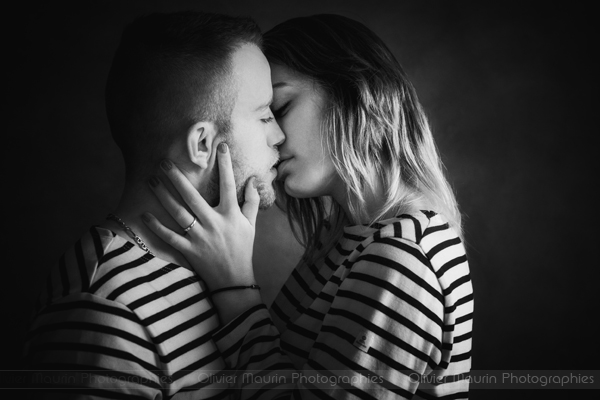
x=265, y=105
x=280, y=84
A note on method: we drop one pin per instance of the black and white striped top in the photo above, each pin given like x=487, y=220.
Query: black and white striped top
x=116, y=322
x=387, y=314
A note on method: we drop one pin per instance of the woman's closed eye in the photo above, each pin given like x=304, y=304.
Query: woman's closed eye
x=280, y=112
x=268, y=120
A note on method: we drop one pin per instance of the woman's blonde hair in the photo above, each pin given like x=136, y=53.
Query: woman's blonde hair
x=374, y=127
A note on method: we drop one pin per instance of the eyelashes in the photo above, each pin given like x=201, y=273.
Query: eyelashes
x=268, y=120
x=280, y=112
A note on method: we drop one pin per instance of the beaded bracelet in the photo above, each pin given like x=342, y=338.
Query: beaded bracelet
x=223, y=289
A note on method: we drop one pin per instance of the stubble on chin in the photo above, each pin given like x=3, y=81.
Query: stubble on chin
x=266, y=190
x=266, y=193
x=242, y=176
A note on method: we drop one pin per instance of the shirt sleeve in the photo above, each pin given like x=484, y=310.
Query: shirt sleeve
x=251, y=348
x=384, y=329
x=382, y=333
x=85, y=347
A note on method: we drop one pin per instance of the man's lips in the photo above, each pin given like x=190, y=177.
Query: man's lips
x=281, y=161
x=280, y=167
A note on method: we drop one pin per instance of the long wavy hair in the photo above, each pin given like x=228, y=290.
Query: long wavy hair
x=373, y=126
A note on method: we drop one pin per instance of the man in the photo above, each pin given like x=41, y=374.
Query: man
x=123, y=314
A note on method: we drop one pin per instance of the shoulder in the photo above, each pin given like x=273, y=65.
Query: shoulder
x=86, y=331
x=412, y=227
x=101, y=263
x=421, y=245
x=399, y=238
x=424, y=234
x=430, y=253
x=76, y=268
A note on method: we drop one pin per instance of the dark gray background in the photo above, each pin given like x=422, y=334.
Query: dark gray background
x=510, y=93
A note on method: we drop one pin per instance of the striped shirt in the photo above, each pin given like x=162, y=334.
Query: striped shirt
x=117, y=322
x=386, y=314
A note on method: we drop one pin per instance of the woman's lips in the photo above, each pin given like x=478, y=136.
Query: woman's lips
x=280, y=167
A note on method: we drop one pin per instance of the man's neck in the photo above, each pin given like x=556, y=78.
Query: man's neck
x=136, y=200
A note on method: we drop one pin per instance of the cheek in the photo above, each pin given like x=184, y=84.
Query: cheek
x=302, y=136
x=311, y=178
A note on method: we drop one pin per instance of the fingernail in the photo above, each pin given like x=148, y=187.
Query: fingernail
x=223, y=147
x=146, y=217
x=154, y=181
x=166, y=165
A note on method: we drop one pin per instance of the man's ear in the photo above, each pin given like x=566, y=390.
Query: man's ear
x=199, y=143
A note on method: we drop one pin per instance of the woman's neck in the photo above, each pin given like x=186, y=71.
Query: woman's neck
x=375, y=204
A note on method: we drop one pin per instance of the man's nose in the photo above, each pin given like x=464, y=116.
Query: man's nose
x=276, y=136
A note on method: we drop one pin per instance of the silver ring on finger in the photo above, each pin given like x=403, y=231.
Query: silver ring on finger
x=190, y=226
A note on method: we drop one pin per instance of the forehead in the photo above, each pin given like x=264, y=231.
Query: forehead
x=252, y=77
x=286, y=79
x=282, y=74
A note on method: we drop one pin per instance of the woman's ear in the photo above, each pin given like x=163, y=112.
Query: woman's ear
x=199, y=143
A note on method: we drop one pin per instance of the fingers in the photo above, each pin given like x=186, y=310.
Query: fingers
x=182, y=216
x=250, y=207
x=226, y=178
x=174, y=239
x=188, y=192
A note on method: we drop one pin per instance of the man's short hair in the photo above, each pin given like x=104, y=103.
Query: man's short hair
x=169, y=72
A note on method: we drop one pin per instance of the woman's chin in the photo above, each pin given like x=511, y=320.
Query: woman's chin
x=296, y=192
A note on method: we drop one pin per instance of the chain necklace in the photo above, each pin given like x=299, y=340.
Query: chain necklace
x=131, y=233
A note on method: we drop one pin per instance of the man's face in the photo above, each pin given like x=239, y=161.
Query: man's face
x=254, y=133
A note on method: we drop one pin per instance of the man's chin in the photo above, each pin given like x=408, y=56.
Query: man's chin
x=266, y=193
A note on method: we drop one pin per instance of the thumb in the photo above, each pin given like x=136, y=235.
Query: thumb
x=252, y=201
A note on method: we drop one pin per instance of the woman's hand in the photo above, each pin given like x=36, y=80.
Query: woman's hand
x=218, y=242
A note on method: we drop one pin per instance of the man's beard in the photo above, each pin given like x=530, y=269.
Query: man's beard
x=242, y=175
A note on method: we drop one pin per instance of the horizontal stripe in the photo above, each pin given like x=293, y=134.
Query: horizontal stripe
x=450, y=264
x=387, y=336
x=167, y=312
x=116, y=271
x=138, y=281
x=403, y=246
x=183, y=326
x=115, y=253
x=93, y=327
x=318, y=320
x=90, y=305
x=434, y=229
x=442, y=246
x=162, y=293
x=392, y=314
x=464, y=318
x=116, y=332
x=196, y=365
x=398, y=293
x=417, y=280
x=458, y=282
x=190, y=346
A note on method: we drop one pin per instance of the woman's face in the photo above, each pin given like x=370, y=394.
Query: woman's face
x=306, y=167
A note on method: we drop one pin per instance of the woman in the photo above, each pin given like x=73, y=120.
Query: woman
x=381, y=304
